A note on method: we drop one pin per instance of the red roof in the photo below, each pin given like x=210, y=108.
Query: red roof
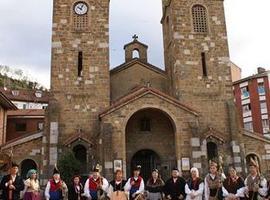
x=141, y=91
x=26, y=112
x=6, y=103
x=26, y=95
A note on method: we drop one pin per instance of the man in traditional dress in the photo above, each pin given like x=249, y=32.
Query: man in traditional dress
x=194, y=187
x=255, y=184
x=12, y=184
x=174, y=188
x=56, y=188
x=96, y=187
x=117, y=191
x=135, y=184
x=213, y=183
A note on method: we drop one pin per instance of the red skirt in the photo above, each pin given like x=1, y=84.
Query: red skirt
x=31, y=196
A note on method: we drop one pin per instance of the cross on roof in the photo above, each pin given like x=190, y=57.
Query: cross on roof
x=135, y=37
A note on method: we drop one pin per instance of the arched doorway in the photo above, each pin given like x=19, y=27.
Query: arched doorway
x=80, y=153
x=212, y=151
x=26, y=165
x=150, y=142
x=148, y=160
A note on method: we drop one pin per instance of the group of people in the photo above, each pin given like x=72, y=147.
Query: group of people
x=215, y=186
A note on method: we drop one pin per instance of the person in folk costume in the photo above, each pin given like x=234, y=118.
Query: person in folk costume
x=255, y=184
x=117, y=191
x=75, y=189
x=135, y=185
x=96, y=187
x=56, y=188
x=154, y=186
x=12, y=184
x=195, y=186
x=232, y=186
x=174, y=188
x=213, y=183
x=32, y=188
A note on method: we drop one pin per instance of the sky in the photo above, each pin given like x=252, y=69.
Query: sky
x=25, y=33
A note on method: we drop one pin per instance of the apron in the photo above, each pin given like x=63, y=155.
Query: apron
x=119, y=195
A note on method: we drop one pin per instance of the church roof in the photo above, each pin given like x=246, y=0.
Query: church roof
x=140, y=92
x=134, y=42
x=137, y=61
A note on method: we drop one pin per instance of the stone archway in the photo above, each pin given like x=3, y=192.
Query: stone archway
x=153, y=130
x=26, y=165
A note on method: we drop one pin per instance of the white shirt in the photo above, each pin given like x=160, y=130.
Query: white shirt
x=262, y=191
x=197, y=193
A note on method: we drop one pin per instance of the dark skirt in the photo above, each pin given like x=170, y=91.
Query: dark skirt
x=31, y=196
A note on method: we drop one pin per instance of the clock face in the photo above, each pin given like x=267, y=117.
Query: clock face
x=81, y=8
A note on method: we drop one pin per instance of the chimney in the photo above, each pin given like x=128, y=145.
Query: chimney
x=260, y=70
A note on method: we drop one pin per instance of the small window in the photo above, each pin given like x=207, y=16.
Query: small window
x=145, y=124
x=40, y=126
x=265, y=125
x=261, y=89
x=20, y=127
x=245, y=92
x=199, y=15
x=80, y=63
x=246, y=108
x=24, y=106
x=263, y=105
x=204, y=66
x=248, y=126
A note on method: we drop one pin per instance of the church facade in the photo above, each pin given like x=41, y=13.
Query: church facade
x=137, y=113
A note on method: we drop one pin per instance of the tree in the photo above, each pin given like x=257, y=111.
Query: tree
x=68, y=166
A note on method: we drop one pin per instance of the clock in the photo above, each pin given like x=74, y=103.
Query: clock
x=81, y=8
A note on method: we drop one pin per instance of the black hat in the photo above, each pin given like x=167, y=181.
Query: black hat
x=96, y=168
x=13, y=164
x=175, y=169
x=137, y=168
x=55, y=170
x=155, y=170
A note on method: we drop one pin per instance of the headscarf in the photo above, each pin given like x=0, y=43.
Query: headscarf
x=194, y=169
x=31, y=172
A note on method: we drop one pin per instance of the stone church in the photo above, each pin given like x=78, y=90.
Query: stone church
x=137, y=113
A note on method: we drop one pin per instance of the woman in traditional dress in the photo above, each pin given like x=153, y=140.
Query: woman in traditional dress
x=154, y=186
x=32, y=188
x=194, y=187
x=232, y=185
x=76, y=190
x=116, y=190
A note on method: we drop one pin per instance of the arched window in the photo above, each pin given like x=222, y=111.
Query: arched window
x=212, y=151
x=135, y=53
x=26, y=165
x=199, y=16
x=80, y=16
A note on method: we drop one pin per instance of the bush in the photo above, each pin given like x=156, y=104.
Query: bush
x=68, y=166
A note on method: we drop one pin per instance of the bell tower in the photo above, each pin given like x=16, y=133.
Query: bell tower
x=198, y=64
x=79, y=75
